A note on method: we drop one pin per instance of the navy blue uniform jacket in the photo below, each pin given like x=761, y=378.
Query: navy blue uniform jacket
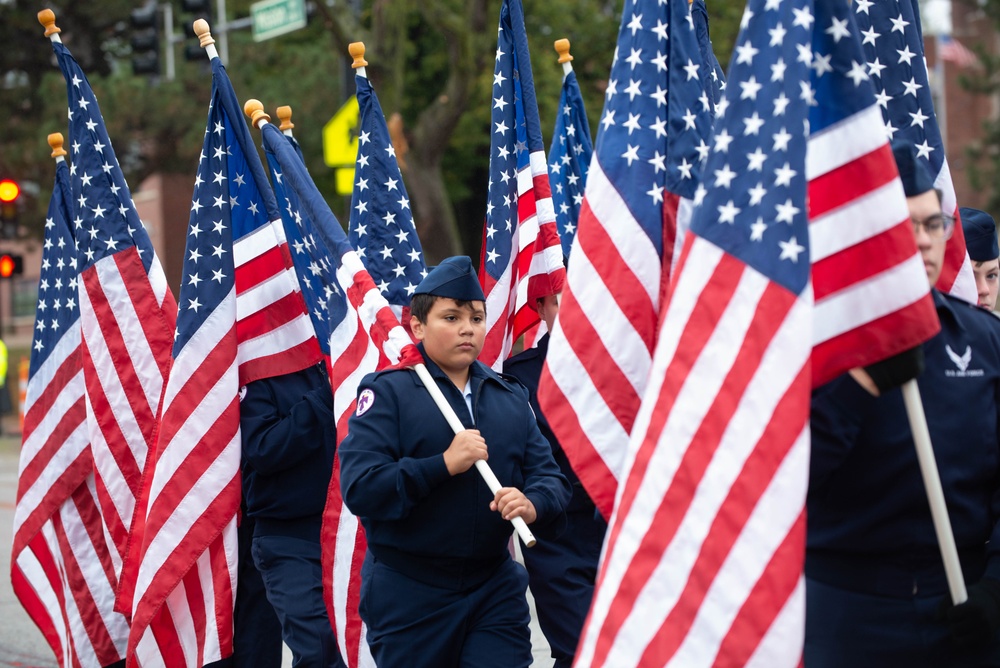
x=289, y=440
x=434, y=527
x=866, y=495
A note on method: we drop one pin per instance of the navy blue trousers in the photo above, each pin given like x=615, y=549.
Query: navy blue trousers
x=256, y=630
x=418, y=625
x=854, y=630
x=293, y=579
x=561, y=575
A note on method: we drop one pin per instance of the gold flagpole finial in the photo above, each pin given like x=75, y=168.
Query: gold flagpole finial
x=562, y=48
x=204, y=33
x=255, y=110
x=48, y=20
x=285, y=116
x=56, y=142
x=357, y=51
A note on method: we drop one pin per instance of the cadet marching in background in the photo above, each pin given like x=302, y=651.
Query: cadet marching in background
x=289, y=442
x=876, y=592
x=981, y=243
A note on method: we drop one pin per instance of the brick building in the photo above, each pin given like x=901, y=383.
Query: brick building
x=962, y=114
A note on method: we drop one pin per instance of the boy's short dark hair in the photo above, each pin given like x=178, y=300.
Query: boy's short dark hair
x=421, y=305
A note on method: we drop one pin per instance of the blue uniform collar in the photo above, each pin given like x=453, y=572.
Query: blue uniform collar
x=479, y=372
x=945, y=307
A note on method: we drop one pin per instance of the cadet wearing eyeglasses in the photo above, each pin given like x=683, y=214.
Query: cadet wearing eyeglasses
x=876, y=593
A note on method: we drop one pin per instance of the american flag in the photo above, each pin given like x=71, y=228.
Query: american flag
x=951, y=50
x=242, y=318
x=703, y=560
x=312, y=262
x=569, y=158
x=365, y=336
x=61, y=569
x=381, y=226
x=521, y=257
x=894, y=50
x=651, y=144
x=127, y=312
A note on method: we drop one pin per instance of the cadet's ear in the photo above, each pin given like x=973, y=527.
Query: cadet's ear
x=417, y=328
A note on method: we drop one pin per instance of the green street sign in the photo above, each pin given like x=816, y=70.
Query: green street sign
x=271, y=18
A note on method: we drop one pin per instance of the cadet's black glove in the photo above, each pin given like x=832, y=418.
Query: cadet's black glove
x=898, y=369
x=974, y=624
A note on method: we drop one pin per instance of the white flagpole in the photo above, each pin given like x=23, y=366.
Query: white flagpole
x=484, y=469
x=935, y=494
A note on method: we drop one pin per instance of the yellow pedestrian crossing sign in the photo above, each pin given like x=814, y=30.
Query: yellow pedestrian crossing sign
x=340, y=145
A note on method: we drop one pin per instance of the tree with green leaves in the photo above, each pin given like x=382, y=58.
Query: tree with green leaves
x=984, y=156
x=431, y=63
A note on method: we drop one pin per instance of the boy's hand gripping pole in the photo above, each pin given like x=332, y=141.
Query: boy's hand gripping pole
x=484, y=469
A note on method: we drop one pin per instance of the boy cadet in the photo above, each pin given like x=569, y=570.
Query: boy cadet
x=289, y=438
x=981, y=242
x=561, y=572
x=439, y=587
x=876, y=593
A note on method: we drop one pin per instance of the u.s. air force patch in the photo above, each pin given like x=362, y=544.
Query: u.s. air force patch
x=365, y=401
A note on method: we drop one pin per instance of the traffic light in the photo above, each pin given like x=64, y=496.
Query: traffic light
x=145, y=40
x=10, y=207
x=194, y=10
x=11, y=265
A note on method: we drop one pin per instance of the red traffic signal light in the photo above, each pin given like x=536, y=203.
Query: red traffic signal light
x=11, y=265
x=9, y=190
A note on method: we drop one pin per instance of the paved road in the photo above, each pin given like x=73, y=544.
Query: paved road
x=21, y=644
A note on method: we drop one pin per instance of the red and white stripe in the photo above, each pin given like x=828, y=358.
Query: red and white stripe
x=65, y=580
x=956, y=276
x=127, y=319
x=369, y=338
x=869, y=282
x=703, y=560
x=185, y=582
x=55, y=450
x=535, y=270
x=602, y=344
x=275, y=334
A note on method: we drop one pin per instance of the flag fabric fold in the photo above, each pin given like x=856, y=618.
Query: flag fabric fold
x=712, y=76
x=61, y=568
x=381, y=226
x=365, y=335
x=521, y=256
x=894, y=51
x=651, y=143
x=127, y=312
x=703, y=561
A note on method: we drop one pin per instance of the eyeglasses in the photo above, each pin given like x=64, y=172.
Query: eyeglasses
x=938, y=227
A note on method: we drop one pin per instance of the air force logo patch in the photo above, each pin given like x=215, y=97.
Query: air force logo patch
x=962, y=364
x=365, y=401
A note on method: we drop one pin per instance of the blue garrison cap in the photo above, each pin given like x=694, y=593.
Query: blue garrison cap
x=916, y=176
x=453, y=278
x=980, y=234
